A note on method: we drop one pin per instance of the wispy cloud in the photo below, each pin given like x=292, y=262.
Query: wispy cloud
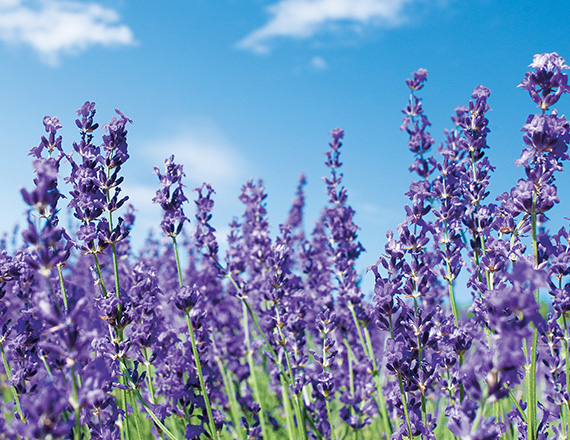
x=318, y=63
x=304, y=18
x=205, y=152
x=56, y=27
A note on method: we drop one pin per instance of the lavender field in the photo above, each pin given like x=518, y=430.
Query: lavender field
x=268, y=333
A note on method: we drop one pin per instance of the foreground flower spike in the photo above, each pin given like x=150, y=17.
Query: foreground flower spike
x=295, y=217
x=205, y=233
x=115, y=149
x=45, y=195
x=355, y=383
x=548, y=83
x=475, y=173
x=50, y=246
x=171, y=197
x=416, y=123
x=52, y=142
x=86, y=197
x=548, y=137
x=418, y=81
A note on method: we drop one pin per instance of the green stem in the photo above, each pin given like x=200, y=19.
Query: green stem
x=381, y=404
x=149, y=376
x=136, y=416
x=116, y=270
x=292, y=431
x=518, y=407
x=46, y=365
x=531, y=380
x=297, y=397
x=567, y=366
x=231, y=398
x=333, y=435
x=152, y=415
x=14, y=391
x=100, y=276
x=357, y=325
x=454, y=308
x=252, y=372
x=420, y=360
x=405, y=405
x=351, y=358
x=447, y=266
x=62, y=285
x=125, y=408
x=212, y=423
x=75, y=405
x=300, y=414
x=402, y=391
x=178, y=267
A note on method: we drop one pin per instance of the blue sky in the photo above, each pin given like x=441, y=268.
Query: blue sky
x=251, y=88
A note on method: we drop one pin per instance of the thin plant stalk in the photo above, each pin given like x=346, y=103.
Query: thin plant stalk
x=125, y=408
x=402, y=391
x=381, y=401
x=123, y=399
x=405, y=405
x=351, y=358
x=333, y=435
x=531, y=380
x=46, y=365
x=211, y=422
x=255, y=321
x=100, y=276
x=296, y=397
x=152, y=415
x=292, y=431
x=252, y=372
x=178, y=267
x=62, y=285
x=567, y=368
x=231, y=398
x=326, y=394
x=9, y=376
x=357, y=325
x=136, y=417
x=450, y=279
x=75, y=404
x=420, y=359
x=149, y=376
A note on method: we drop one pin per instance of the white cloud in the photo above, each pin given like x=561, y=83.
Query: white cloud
x=304, y=18
x=56, y=27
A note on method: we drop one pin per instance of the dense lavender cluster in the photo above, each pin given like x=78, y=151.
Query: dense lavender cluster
x=274, y=338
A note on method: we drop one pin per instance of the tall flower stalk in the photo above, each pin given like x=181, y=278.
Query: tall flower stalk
x=171, y=197
x=547, y=137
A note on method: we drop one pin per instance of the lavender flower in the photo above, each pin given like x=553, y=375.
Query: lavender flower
x=171, y=197
x=204, y=234
x=548, y=83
